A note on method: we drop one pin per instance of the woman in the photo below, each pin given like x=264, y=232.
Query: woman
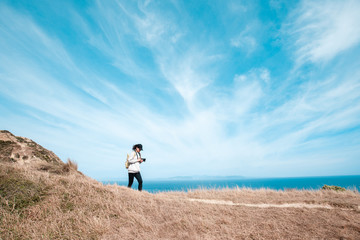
x=134, y=168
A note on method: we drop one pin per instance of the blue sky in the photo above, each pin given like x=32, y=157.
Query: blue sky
x=251, y=88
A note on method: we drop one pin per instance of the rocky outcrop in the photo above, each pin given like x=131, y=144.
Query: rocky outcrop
x=22, y=150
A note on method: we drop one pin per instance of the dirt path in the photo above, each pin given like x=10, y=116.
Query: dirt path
x=265, y=205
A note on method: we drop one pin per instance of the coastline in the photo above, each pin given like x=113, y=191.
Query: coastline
x=351, y=182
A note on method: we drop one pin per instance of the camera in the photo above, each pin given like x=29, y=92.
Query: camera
x=144, y=159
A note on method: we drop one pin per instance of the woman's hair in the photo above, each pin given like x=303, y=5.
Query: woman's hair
x=137, y=146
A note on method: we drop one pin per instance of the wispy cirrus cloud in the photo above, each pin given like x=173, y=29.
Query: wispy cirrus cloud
x=32, y=40
x=38, y=73
x=322, y=30
x=162, y=77
x=245, y=41
x=114, y=34
x=161, y=37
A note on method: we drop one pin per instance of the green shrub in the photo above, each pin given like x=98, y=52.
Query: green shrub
x=20, y=139
x=335, y=188
x=18, y=193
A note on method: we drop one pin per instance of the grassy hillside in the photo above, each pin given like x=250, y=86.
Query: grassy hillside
x=43, y=205
x=43, y=198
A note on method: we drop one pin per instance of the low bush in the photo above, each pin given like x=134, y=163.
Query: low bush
x=18, y=193
x=335, y=188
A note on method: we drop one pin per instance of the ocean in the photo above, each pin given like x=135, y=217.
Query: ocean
x=300, y=183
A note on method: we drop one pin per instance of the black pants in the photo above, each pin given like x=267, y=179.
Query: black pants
x=138, y=178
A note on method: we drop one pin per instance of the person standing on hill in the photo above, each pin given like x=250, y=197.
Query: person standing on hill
x=134, y=168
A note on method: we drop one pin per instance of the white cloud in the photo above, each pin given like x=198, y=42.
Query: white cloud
x=262, y=74
x=319, y=108
x=245, y=40
x=185, y=74
x=20, y=31
x=265, y=75
x=114, y=34
x=221, y=129
x=236, y=7
x=323, y=29
x=185, y=67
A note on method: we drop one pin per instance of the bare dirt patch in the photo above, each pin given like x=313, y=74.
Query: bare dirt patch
x=262, y=205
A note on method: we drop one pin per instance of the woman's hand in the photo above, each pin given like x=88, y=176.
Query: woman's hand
x=140, y=160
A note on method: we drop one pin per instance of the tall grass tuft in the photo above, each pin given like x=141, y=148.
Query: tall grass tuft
x=70, y=165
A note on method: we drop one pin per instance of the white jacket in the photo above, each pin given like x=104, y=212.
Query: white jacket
x=134, y=163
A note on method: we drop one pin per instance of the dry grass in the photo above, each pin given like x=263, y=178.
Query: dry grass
x=74, y=206
x=70, y=165
x=62, y=169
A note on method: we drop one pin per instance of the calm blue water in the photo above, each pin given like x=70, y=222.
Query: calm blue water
x=309, y=183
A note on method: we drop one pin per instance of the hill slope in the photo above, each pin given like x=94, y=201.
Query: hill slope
x=43, y=204
x=24, y=151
